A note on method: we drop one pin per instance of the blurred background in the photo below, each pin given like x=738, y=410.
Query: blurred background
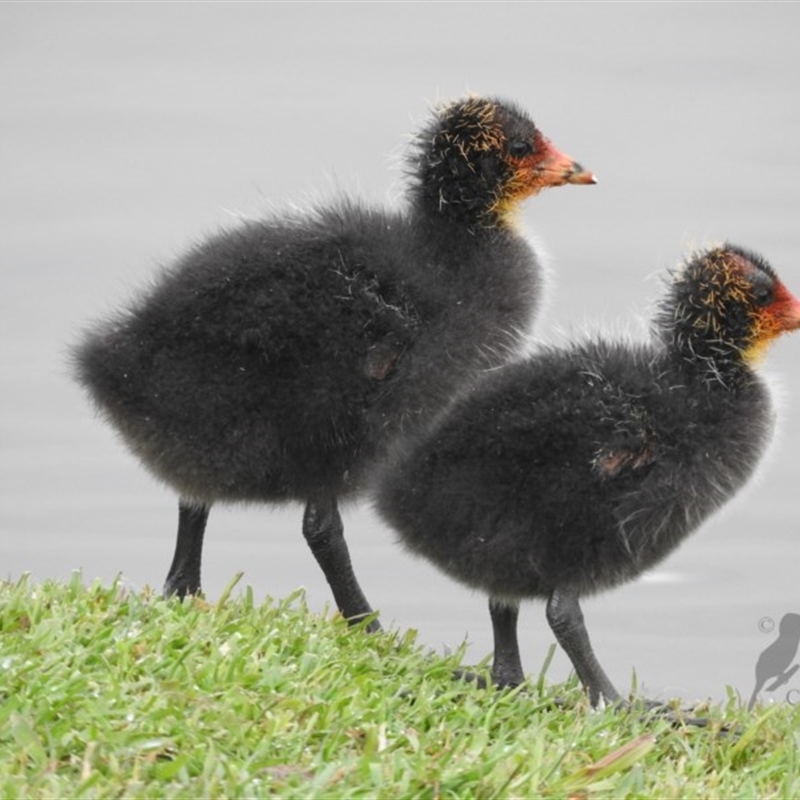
x=129, y=131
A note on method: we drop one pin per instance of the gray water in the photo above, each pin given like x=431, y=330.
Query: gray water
x=129, y=131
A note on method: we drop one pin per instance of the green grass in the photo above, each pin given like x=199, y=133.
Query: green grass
x=107, y=693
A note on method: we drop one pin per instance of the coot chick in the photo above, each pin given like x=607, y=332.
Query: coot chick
x=273, y=362
x=578, y=468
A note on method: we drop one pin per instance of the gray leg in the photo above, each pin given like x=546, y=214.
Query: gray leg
x=184, y=575
x=566, y=619
x=507, y=665
x=324, y=532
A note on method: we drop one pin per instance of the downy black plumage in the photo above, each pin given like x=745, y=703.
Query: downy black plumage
x=578, y=468
x=273, y=362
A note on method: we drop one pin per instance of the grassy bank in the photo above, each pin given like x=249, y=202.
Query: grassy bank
x=106, y=693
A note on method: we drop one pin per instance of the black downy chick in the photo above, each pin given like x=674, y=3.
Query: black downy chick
x=275, y=361
x=578, y=468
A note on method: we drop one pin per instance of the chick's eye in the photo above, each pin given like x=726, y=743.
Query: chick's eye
x=519, y=148
x=762, y=295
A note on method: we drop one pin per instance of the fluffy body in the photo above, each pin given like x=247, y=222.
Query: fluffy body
x=274, y=361
x=575, y=469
